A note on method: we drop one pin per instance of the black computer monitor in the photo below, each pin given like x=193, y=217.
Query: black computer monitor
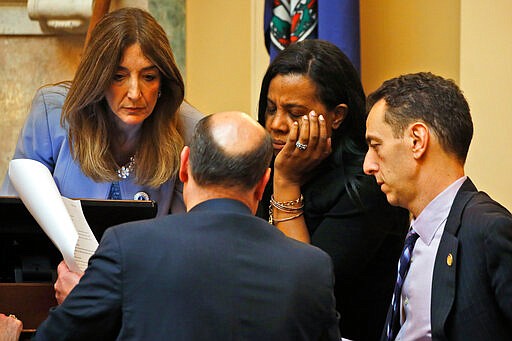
x=26, y=252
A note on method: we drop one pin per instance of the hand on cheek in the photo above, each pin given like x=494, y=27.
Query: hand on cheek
x=306, y=147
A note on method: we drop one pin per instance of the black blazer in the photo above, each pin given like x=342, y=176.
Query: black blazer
x=215, y=273
x=472, y=298
x=364, y=242
x=472, y=279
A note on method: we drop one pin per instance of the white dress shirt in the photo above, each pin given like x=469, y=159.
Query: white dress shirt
x=417, y=288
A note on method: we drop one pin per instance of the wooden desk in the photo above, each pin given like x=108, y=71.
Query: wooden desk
x=30, y=302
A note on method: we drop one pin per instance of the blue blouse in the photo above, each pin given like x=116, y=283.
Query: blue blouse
x=43, y=139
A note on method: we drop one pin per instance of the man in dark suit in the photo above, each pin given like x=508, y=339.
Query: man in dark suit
x=214, y=273
x=459, y=284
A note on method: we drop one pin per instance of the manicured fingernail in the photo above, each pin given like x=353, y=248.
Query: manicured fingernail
x=305, y=117
x=321, y=117
x=312, y=113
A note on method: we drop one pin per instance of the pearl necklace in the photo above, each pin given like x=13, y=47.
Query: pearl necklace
x=124, y=171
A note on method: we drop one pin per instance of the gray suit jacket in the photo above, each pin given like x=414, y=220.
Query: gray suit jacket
x=215, y=273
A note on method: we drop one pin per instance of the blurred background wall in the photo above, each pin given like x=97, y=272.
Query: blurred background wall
x=219, y=47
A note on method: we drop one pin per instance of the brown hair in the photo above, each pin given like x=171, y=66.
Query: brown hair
x=87, y=114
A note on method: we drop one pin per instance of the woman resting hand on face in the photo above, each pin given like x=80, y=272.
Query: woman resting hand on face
x=116, y=131
x=312, y=103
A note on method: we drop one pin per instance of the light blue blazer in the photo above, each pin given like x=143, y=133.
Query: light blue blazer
x=44, y=139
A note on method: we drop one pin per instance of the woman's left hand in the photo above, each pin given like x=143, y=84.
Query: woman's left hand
x=304, y=150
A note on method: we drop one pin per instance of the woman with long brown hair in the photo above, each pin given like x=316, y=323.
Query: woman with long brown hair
x=116, y=131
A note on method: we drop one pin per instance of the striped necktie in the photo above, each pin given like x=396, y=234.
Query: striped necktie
x=393, y=319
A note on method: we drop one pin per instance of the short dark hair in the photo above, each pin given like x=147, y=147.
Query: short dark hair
x=212, y=165
x=434, y=100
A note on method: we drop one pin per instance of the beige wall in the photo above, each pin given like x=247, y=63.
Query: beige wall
x=408, y=36
x=218, y=55
x=465, y=40
x=225, y=54
x=486, y=78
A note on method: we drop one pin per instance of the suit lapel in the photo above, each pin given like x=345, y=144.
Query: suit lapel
x=445, y=266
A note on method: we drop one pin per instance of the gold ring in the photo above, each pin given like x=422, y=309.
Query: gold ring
x=13, y=316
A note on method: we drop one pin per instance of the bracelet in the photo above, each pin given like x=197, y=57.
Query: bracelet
x=299, y=200
x=288, y=218
x=285, y=206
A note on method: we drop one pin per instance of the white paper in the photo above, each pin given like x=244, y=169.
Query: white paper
x=60, y=218
x=87, y=243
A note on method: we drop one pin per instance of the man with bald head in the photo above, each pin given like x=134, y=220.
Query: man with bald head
x=216, y=272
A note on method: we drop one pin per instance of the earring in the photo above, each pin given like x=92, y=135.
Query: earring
x=159, y=93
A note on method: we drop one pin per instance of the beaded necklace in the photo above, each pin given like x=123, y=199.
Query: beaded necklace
x=124, y=171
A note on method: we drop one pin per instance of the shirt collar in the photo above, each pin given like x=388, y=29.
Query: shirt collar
x=222, y=204
x=436, y=212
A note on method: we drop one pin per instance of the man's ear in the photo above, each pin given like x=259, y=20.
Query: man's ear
x=185, y=153
x=340, y=112
x=420, y=137
x=260, y=187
